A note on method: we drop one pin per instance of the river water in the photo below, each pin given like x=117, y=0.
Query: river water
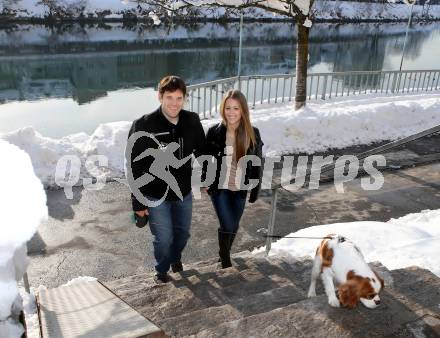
x=69, y=79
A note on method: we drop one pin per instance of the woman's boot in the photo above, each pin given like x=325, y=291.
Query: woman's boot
x=224, y=243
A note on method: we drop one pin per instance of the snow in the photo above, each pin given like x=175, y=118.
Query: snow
x=345, y=10
x=23, y=203
x=34, y=8
x=343, y=122
x=155, y=18
x=79, y=280
x=307, y=23
x=31, y=314
x=406, y=241
x=303, y=5
x=321, y=125
x=10, y=329
x=371, y=11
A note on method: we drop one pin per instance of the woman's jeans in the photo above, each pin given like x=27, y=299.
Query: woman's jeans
x=229, y=206
x=170, y=224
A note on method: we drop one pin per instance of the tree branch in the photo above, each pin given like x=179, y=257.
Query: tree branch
x=290, y=8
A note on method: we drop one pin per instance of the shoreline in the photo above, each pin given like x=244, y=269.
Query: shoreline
x=195, y=20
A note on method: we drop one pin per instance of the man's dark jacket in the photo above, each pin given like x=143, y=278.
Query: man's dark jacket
x=188, y=133
x=215, y=146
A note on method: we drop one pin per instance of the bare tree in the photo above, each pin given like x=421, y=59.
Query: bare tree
x=59, y=9
x=299, y=10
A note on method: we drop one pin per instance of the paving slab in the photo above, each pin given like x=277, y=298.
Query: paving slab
x=89, y=310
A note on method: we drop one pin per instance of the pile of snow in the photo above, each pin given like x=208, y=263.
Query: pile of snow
x=343, y=122
x=108, y=139
x=23, y=202
x=321, y=125
x=406, y=241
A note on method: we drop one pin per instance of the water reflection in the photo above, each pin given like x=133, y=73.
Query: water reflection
x=87, y=63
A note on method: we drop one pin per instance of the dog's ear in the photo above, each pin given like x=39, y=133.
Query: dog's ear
x=348, y=295
x=382, y=283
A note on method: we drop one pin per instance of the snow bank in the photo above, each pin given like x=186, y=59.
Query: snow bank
x=108, y=139
x=344, y=122
x=410, y=240
x=321, y=125
x=23, y=202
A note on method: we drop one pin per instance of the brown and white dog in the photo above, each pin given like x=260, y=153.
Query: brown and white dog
x=340, y=260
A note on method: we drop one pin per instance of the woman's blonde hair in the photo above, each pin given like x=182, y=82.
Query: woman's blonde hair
x=244, y=134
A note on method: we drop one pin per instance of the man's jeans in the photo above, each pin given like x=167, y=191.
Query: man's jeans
x=170, y=224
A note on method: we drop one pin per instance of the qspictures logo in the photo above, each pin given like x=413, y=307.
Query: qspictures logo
x=297, y=172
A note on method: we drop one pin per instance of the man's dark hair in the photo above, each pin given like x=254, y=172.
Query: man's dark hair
x=171, y=83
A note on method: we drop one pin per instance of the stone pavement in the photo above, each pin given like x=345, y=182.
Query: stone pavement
x=92, y=235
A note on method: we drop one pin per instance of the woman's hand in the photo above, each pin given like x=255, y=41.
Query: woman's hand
x=142, y=213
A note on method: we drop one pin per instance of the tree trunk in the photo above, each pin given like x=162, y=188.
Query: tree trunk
x=302, y=52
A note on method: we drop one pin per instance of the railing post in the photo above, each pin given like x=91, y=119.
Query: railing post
x=399, y=81
x=325, y=88
x=26, y=283
x=271, y=223
x=393, y=86
x=198, y=100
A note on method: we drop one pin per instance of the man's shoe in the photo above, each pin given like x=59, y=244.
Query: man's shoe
x=161, y=278
x=177, y=267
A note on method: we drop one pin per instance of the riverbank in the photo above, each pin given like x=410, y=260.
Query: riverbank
x=321, y=126
x=31, y=11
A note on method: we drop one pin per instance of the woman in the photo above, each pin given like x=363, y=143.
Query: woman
x=229, y=141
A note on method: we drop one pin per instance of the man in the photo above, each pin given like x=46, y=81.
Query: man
x=161, y=162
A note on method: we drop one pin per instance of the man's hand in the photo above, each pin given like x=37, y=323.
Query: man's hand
x=142, y=213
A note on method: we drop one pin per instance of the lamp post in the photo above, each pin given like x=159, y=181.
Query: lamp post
x=239, y=50
x=411, y=3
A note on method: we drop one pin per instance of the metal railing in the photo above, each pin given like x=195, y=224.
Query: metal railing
x=361, y=156
x=205, y=98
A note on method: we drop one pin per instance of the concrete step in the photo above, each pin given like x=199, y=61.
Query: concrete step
x=146, y=278
x=254, y=285
x=252, y=281
x=197, y=292
x=236, y=309
x=404, y=312
x=419, y=290
x=208, y=269
x=266, y=296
